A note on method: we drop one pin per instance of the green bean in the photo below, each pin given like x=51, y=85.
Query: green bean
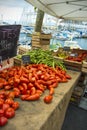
x=45, y=57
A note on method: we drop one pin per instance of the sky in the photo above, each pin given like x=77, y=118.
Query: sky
x=11, y=10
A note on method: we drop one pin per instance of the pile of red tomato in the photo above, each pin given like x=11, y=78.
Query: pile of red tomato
x=28, y=83
x=7, y=106
x=78, y=58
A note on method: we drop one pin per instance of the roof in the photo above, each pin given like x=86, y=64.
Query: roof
x=63, y=9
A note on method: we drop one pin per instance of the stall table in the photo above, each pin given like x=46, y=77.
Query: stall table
x=37, y=115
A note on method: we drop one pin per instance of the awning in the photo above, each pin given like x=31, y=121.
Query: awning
x=63, y=9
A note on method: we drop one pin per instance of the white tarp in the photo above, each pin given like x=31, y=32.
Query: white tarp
x=67, y=9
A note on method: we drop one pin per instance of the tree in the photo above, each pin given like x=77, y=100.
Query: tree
x=39, y=20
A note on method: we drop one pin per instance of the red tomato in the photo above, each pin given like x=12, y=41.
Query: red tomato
x=15, y=105
x=7, y=87
x=1, y=102
x=32, y=91
x=33, y=79
x=5, y=83
x=39, y=92
x=28, y=92
x=10, y=113
x=2, y=92
x=2, y=96
x=11, y=95
x=23, y=97
x=48, y=99
x=39, y=87
x=30, y=76
x=17, y=79
x=24, y=80
x=1, y=85
x=24, y=85
x=5, y=106
x=16, y=89
x=1, y=112
x=68, y=76
x=11, y=81
x=51, y=89
x=3, y=121
x=30, y=85
x=64, y=80
x=34, y=97
x=17, y=93
x=9, y=101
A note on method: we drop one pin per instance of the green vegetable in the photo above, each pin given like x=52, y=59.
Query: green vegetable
x=38, y=56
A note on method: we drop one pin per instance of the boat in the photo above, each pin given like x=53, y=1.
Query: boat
x=72, y=44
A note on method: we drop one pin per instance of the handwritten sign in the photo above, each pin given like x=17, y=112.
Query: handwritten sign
x=26, y=59
x=9, y=35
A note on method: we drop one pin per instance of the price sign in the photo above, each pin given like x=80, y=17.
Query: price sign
x=26, y=59
x=74, y=54
x=9, y=35
x=66, y=48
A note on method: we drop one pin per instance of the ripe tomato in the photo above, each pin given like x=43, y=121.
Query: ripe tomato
x=1, y=112
x=11, y=95
x=1, y=102
x=3, y=121
x=5, y=106
x=15, y=105
x=9, y=101
x=51, y=90
x=9, y=113
x=48, y=99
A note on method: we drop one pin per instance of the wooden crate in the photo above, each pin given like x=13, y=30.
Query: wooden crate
x=36, y=37
x=45, y=36
x=40, y=40
x=36, y=43
x=76, y=95
x=17, y=62
x=79, y=51
x=45, y=41
x=44, y=44
x=41, y=35
x=58, y=58
x=44, y=47
x=73, y=65
x=22, y=50
x=84, y=67
x=6, y=65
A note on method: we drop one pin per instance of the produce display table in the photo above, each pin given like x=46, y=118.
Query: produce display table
x=37, y=115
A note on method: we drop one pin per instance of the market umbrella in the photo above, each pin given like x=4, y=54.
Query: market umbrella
x=63, y=9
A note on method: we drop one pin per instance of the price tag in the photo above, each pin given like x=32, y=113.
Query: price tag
x=74, y=54
x=66, y=48
x=26, y=59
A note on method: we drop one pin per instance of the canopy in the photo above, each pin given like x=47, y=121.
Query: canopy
x=63, y=9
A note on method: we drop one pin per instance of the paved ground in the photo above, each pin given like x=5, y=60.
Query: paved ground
x=75, y=119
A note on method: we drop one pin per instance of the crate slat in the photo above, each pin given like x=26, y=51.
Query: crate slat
x=73, y=65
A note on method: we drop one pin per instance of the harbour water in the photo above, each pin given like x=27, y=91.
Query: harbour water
x=82, y=42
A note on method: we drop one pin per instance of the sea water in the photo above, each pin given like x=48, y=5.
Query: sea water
x=82, y=42
x=55, y=43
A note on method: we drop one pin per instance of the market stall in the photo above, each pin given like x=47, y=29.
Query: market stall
x=37, y=67
x=37, y=115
